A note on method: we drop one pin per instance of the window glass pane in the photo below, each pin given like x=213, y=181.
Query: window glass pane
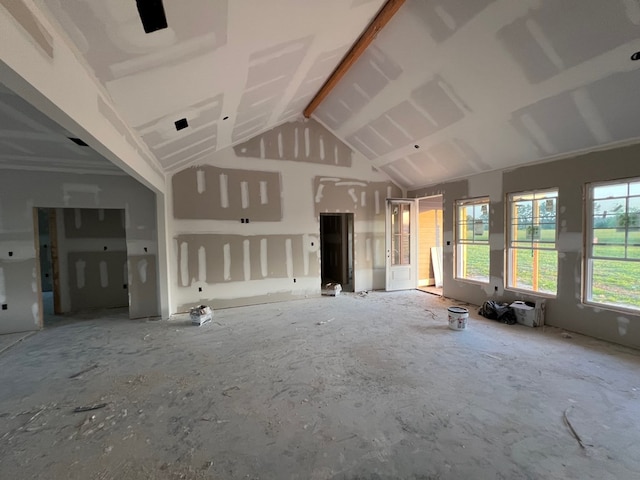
x=481, y=231
x=612, y=280
x=395, y=249
x=609, y=210
x=465, y=231
x=634, y=188
x=609, y=251
x=634, y=252
x=633, y=237
x=473, y=262
x=609, y=236
x=532, y=269
x=606, y=191
x=395, y=219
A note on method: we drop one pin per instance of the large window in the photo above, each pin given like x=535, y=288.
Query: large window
x=472, y=239
x=532, y=256
x=613, y=244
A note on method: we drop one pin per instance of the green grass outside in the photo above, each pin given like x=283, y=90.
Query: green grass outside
x=615, y=282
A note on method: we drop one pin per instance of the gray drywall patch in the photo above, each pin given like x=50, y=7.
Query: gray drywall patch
x=143, y=286
x=433, y=107
x=86, y=223
x=231, y=259
x=269, y=75
x=373, y=72
x=554, y=124
x=548, y=41
x=444, y=17
x=91, y=288
x=223, y=199
x=617, y=103
x=301, y=141
x=365, y=199
x=324, y=64
x=31, y=25
x=439, y=101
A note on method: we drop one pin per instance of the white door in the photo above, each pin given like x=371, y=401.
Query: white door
x=402, y=244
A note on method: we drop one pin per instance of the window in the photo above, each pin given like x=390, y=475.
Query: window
x=472, y=239
x=532, y=256
x=401, y=233
x=613, y=244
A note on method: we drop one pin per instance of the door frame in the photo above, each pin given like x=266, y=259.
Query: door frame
x=410, y=270
x=347, y=242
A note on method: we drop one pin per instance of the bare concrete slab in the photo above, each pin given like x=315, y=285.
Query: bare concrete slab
x=368, y=387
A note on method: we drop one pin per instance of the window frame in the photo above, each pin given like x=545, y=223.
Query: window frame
x=587, y=281
x=459, y=242
x=539, y=245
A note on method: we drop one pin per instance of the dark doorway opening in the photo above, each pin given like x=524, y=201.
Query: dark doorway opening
x=336, y=249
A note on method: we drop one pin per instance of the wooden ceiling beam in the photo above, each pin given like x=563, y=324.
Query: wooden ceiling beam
x=384, y=15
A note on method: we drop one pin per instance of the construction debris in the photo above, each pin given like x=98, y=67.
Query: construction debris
x=200, y=315
x=88, y=369
x=331, y=289
x=89, y=407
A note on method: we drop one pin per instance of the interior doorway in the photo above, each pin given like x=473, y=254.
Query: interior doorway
x=48, y=262
x=430, y=244
x=336, y=249
x=82, y=259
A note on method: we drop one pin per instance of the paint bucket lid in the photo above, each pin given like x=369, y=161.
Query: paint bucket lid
x=458, y=310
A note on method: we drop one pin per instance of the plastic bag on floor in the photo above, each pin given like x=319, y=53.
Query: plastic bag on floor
x=497, y=311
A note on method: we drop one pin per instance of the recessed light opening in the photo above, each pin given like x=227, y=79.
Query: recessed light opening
x=182, y=123
x=77, y=141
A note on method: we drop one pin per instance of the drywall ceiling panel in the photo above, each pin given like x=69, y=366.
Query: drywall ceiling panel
x=313, y=81
x=30, y=140
x=376, y=70
x=263, y=60
x=617, y=104
x=559, y=35
x=443, y=18
x=489, y=84
x=477, y=84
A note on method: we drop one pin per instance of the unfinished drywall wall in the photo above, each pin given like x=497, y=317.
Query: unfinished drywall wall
x=92, y=249
x=246, y=224
x=569, y=176
x=21, y=191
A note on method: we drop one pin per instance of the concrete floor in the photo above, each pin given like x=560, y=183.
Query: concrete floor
x=351, y=387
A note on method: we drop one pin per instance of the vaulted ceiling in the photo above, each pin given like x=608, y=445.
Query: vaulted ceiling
x=449, y=88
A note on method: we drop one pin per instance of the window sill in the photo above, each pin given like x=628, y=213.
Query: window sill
x=474, y=282
x=612, y=308
x=532, y=293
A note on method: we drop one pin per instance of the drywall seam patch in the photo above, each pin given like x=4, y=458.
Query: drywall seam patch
x=263, y=258
x=226, y=254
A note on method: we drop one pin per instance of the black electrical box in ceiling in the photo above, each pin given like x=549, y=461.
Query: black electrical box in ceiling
x=152, y=15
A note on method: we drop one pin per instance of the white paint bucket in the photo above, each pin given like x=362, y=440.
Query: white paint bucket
x=458, y=318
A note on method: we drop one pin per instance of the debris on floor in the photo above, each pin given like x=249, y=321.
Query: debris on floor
x=566, y=335
x=200, y=315
x=331, y=289
x=572, y=430
x=324, y=322
x=88, y=408
x=81, y=372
